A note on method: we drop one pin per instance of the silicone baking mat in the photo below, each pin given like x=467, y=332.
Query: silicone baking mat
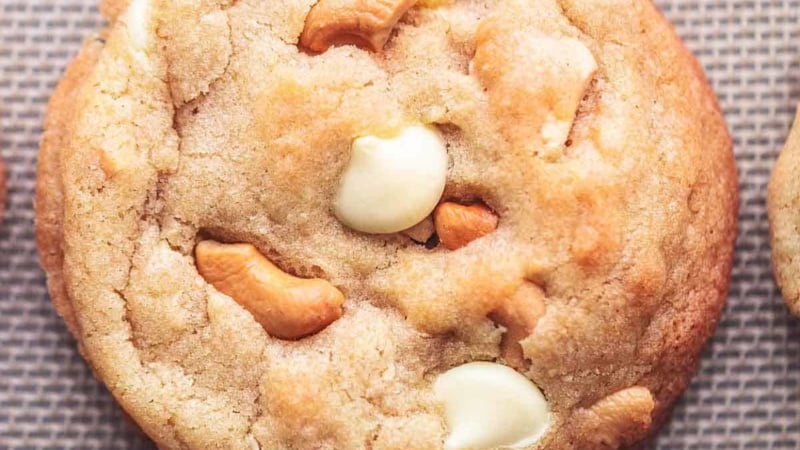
x=746, y=395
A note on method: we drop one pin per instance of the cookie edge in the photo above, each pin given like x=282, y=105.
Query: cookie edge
x=49, y=203
x=783, y=202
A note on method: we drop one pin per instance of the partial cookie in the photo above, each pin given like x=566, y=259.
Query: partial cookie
x=314, y=225
x=783, y=207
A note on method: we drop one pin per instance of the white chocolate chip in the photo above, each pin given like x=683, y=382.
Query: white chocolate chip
x=137, y=20
x=490, y=405
x=392, y=184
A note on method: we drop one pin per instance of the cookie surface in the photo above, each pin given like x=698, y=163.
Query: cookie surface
x=782, y=207
x=585, y=129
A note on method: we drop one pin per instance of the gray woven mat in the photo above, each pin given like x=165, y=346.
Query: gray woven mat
x=746, y=396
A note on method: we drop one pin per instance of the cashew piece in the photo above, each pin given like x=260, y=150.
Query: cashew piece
x=458, y=225
x=535, y=82
x=113, y=163
x=364, y=23
x=622, y=418
x=286, y=306
x=421, y=232
x=519, y=314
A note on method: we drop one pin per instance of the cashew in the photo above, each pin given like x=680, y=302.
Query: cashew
x=535, y=82
x=490, y=405
x=364, y=23
x=113, y=163
x=458, y=225
x=620, y=419
x=421, y=232
x=287, y=307
x=392, y=184
x=519, y=314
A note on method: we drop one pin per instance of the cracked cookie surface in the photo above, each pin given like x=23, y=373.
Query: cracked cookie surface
x=586, y=127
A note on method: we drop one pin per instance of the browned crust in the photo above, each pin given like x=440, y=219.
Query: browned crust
x=783, y=207
x=111, y=9
x=724, y=167
x=669, y=378
x=49, y=196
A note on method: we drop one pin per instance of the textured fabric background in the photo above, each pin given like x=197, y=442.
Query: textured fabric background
x=746, y=396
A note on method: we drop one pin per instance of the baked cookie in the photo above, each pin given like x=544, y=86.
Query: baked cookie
x=388, y=224
x=782, y=205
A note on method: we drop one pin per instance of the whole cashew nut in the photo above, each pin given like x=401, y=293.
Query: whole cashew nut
x=286, y=306
x=364, y=23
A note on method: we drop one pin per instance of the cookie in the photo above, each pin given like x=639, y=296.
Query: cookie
x=782, y=204
x=389, y=225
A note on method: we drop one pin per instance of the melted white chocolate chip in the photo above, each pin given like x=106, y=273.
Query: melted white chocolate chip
x=137, y=21
x=392, y=184
x=490, y=405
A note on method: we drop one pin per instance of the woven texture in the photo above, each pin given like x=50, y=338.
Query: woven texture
x=746, y=395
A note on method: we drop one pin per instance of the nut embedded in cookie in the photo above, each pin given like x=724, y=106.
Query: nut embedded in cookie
x=421, y=232
x=287, y=307
x=364, y=23
x=534, y=83
x=620, y=419
x=458, y=225
x=518, y=315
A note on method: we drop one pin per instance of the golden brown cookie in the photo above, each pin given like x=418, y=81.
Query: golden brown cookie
x=783, y=204
x=315, y=225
